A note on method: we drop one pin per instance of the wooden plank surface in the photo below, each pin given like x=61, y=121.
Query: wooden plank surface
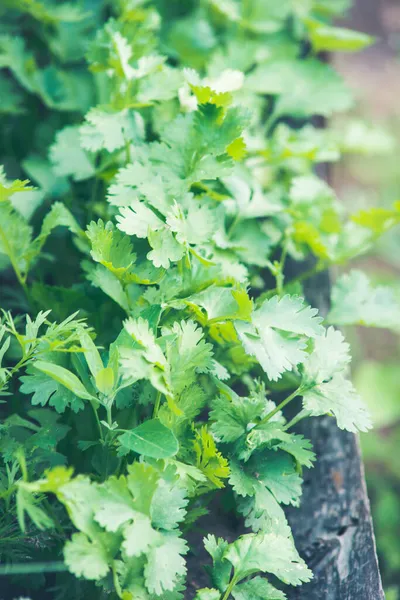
x=333, y=527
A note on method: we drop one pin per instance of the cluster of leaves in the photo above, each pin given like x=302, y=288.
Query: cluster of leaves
x=173, y=171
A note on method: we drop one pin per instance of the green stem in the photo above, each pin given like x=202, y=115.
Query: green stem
x=109, y=415
x=157, y=405
x=4, y=495
x=302, y=277
x=53, y=515
x=16, y=368
x=28, y=568
x=116, y=582
x=271, y=414
x=96, y=416
x=280, y=277
x=229, y=589
x=233, y=225
x=303, y=414
x=20, y=456
x=128, y=152
x=14, y=264
x=310, y=272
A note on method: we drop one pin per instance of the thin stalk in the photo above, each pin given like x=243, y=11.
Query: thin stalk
x=303, y=414
x=128, y=157
x=271, y=414
x=280, y=277
x=109, y=415
x=302, y=277
x=96, y=416
x=4, y=495
x=116, y=582
x=233, y=225
x=28, y=568
x=229, y=589
x=16, y=368
x=310, y=273
x=14, y=264
x=157, y=405
x=53, y=515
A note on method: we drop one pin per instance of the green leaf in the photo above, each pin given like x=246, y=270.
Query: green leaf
x=110, y=248
x=378, y=220
x=67, y=156
x=233, y=418
x=26, y=503
x=330, y=355
x=300, y=448
x=15, y=238
x=7, y=189
x=222, y=304
x=262, y=511
x=327, y=389
x=209, y=460
x=116, y=505
x=325, y=38
x=80, y=497
x=64, y=377
x=137, y=219
x=338, y=397
x=208, y=594
x=139, y=536
x=355, y=301
x=105, y=380
x=257, y=589
x=110, y=284
x=85, y=558
x=91, y=353
x=187, y=354
x=45, y=390
x=165, y=248
x=267, y=337
x=168, y=504
x=110, y=130
x=270, y=553
x=304, y=87
x=265, y=16
x=277, y=471
x=165, y=564
x=221, y=569
x=193, y=222
x=151, y=438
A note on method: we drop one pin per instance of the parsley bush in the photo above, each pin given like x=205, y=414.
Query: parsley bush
x=150, y=336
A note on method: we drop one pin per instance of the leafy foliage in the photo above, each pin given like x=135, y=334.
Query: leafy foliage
x=167, y=182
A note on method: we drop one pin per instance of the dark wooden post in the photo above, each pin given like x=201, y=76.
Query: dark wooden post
x=333, y=527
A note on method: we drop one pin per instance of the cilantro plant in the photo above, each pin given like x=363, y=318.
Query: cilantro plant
x=151, y=337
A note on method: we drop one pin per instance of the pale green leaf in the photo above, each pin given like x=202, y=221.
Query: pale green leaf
x=138, y=219
x=85, y=558
x=168, y=505
x=139, y=536
x=355, y=301
x=338, y=397
x=269, y=553
x=67, y=156
x=257, y=589
x=165, y=564
x=268, y=336
x=326, y=38
x=63, y=376
x=151, y=438
x=110, y=130
x=165, y=248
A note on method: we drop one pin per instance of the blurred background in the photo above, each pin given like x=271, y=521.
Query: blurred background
x=364, y=181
